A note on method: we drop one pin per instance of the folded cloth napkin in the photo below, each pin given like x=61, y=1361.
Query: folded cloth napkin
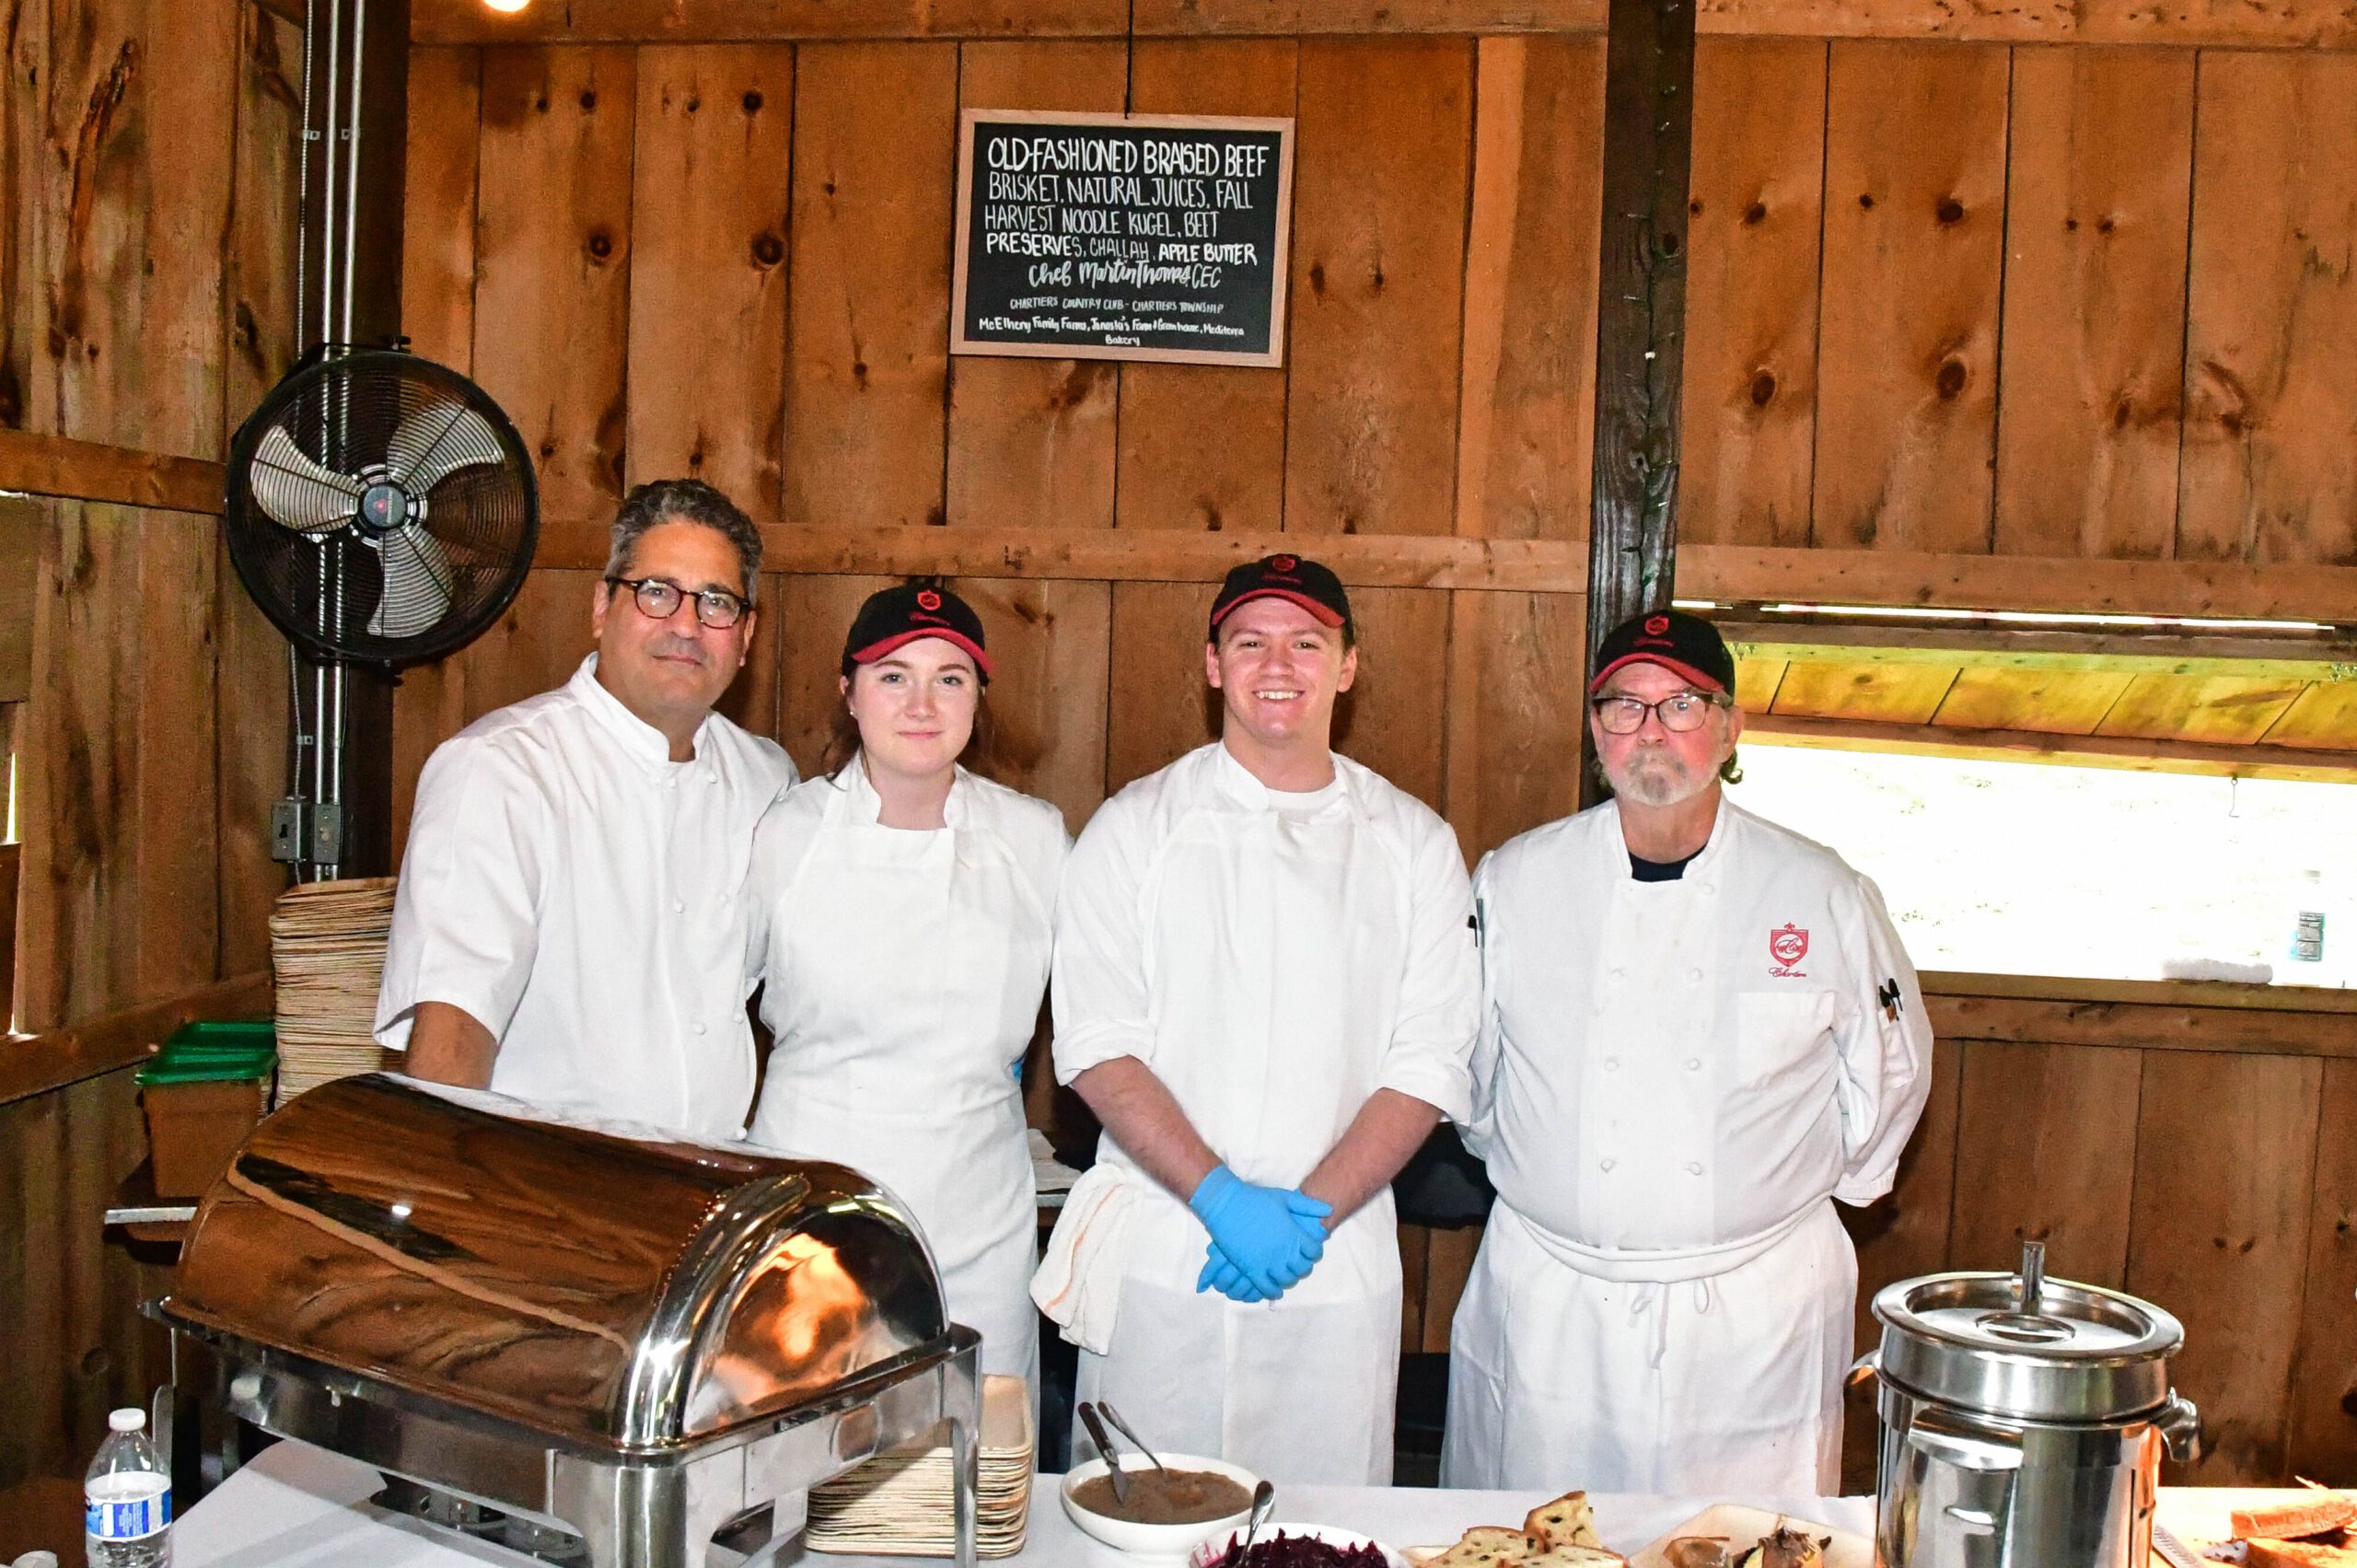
x=1078, y=1284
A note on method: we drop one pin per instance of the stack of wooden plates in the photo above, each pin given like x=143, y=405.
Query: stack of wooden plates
x=899, y=1503
x=326, y=944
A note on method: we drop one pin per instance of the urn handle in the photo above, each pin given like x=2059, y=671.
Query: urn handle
x=2179, y=1425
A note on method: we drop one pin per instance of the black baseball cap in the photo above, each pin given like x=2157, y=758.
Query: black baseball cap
x=1305, y=583
x=1686, y=643
x=895, y=616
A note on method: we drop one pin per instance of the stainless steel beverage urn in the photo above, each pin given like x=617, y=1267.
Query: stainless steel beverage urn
x=2023, y=1421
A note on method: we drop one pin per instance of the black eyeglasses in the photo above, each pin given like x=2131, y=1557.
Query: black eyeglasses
x=1680, y=712
x=659, y=600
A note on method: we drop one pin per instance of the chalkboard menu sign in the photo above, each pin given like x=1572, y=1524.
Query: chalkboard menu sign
x=1121, y=236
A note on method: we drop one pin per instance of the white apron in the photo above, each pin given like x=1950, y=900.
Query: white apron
x=1664, y=1296
x=904, y=971
x=1275, y=960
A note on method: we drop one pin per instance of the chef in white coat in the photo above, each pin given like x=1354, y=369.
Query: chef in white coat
x=899, y=912
x=1265, y=987
x=567, y=929
x=1699, y=1031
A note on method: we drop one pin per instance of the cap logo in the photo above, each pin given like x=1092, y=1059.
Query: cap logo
x=1283, y=562
x=928, y=599
x=1656, y=624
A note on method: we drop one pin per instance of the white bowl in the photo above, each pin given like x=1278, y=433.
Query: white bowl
x=1173, y=1541
x=1209, y=1551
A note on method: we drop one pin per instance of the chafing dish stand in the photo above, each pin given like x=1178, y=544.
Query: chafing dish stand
x=621, y=1346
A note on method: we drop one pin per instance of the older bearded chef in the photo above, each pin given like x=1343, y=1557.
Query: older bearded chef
x=1264, y=986
x=1699, y=1030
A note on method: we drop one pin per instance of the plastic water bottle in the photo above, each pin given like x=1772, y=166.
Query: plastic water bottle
x=2305, y=949
x=127, y=1497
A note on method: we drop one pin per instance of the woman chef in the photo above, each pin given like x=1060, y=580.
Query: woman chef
x=899, y=909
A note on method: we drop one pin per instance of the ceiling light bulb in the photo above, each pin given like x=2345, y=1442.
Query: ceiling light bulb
x=510, y=6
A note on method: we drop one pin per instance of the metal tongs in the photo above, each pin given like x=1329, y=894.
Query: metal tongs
x=1106, y=1450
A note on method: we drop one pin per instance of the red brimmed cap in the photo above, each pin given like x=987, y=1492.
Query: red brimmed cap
x=1685, y=644
x=901, y=615
x=1305, y=583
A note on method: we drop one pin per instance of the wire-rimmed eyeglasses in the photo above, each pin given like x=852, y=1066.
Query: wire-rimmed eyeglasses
x=1680, y=712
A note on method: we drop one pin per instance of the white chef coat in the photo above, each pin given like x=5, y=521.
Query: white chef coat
x=1274, y=958
x=577, y=891
x=904, y=971
x=1674, y=1080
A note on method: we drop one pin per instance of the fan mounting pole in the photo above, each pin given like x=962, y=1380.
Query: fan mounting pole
x=337, y=819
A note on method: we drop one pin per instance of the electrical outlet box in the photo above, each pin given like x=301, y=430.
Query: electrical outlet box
x=289, y=829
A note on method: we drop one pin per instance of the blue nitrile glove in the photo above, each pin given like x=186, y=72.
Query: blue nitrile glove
x=1270, y=1234
x=1225, y=1277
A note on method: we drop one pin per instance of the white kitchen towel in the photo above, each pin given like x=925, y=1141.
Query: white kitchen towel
x=1078, y=1284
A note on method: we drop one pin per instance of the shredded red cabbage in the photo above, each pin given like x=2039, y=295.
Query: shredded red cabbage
x=1282, y=1550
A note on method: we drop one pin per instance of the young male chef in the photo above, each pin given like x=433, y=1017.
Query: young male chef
x=566, y=929
x=1699, y=1030
x=1265, y=987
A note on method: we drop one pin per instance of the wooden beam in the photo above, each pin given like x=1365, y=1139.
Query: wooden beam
x=87, y=471
x=2070, y=750
x=2320, y=657
x=1144, y=555
x=710, y=22
x=713, y=21
x=11, y=862
x=22, y=524
x=1641, y=311
x=34, y=1064
x=2141, y=992
x=2223, y=590
x=2132, y=1026
x=2042, y=21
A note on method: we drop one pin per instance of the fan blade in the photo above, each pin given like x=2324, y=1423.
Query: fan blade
x=297, y=492
x=418, y=584
x=438, y=440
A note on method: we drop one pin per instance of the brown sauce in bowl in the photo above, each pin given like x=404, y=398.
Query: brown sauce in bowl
x=1164, y=1497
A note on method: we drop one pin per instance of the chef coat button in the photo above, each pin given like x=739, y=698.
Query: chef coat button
x=1695, y=975
x=1612, y=1064
x=1619, y=974
x=1694, y=1167
x=1606, y=1164
x=1708, y=888
x=699, y=1028
x=678, y=906
x=1693, y=1064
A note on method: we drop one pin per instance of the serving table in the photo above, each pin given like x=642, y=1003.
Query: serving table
x=297, y=1507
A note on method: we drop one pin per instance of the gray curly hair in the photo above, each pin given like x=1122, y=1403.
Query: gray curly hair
x=685, y=501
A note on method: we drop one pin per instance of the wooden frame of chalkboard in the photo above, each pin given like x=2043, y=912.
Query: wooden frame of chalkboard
x=1090, y=315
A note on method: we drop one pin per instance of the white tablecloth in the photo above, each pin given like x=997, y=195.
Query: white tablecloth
x=297, y=1506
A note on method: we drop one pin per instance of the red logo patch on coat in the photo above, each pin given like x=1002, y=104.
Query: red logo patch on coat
x=1788, y=947
x=928, y=599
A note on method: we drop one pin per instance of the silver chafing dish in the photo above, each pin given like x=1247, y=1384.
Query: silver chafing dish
x=621, y=1346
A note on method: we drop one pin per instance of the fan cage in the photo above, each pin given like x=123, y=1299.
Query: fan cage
x=323, y=583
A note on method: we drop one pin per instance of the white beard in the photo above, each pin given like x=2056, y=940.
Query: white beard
x=1656, y=777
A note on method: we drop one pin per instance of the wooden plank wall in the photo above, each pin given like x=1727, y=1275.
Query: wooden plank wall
x=731, y=260
x=146, y=155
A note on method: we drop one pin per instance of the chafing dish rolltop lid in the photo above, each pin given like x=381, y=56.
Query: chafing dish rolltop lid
x=554, y=1320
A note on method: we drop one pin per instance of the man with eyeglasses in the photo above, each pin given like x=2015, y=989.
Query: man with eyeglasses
x=1698, y=1031
x=566, y=929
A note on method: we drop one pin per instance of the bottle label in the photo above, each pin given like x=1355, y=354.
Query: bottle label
x=115, y=1511
x=2307, y=937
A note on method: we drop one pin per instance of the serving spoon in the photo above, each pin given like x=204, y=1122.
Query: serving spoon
x=1109, y=1413
x=1264, y=1502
